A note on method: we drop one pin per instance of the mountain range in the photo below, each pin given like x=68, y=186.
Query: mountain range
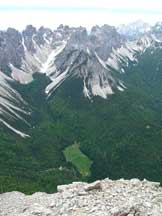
x=98, y=93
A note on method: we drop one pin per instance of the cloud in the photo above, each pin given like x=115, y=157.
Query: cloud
x=115, y=4
x=50, y=13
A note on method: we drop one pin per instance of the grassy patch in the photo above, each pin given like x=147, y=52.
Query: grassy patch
x=74, y=155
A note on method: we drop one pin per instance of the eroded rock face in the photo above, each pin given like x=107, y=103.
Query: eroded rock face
x=97, y=59
x=11, y=49
x=104, y=38
x=106, y=198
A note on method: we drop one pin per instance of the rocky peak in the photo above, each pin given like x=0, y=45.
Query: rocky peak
x=78, y=39
x=63, y=27
x=106, y=198
x=42, y=36
x=29, y=31
x=157, y=29
x=28, y=36
x=103, y=39
x=107, y=29
x=44, y=30
x=134, y=30
x=11, y=49
x=13, y=36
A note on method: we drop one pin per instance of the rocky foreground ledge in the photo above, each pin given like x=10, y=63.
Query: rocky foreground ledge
x=101, y=198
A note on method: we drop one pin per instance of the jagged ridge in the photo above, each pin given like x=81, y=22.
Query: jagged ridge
x=68, y=52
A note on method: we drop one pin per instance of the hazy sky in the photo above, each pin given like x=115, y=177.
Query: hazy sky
x=51, y=13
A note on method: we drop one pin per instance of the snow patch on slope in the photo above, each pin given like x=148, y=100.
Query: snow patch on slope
x=85, y=90
x=20, y=75
x=101, y=91
x=128, y=52
x=23, y=135
x=12, y=105
x=56, y=81
x=46, y=67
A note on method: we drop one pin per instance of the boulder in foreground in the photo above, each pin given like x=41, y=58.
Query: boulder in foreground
x=101, y=198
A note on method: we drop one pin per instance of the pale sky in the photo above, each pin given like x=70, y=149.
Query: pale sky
x=51, y=13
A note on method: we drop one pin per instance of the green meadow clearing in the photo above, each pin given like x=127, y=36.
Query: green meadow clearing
x=74, y=155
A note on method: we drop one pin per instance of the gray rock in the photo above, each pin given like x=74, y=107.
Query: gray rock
x=94, y=186
x=117, y=198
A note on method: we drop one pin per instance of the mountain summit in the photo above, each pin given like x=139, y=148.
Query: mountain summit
x=63, y=54
x=134, y=30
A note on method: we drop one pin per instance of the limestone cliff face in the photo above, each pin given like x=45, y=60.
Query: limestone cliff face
x=104, y=198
